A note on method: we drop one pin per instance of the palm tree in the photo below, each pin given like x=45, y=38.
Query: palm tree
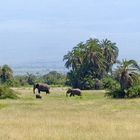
x=110, y=51
x=90, y=60
x=75, y=58
x=74, y=61
x=95, y=56
x=129, y=70
x=69, y=59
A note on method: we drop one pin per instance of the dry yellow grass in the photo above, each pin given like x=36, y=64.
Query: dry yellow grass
x=55, y=117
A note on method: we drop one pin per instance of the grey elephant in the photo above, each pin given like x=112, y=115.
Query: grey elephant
x=73, y=92
x=41, y=87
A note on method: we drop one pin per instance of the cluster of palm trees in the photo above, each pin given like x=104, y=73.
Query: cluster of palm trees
x=89, y=61
x=94, y=60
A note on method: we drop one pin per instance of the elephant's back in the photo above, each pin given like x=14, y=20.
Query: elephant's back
x=43, y=85
x=78, y=91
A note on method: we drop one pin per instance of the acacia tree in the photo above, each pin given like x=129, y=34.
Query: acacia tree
x=30, y=78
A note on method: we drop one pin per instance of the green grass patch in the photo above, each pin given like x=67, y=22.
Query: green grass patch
x=3, y=106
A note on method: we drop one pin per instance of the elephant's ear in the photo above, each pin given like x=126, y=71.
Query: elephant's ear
x=69, y=90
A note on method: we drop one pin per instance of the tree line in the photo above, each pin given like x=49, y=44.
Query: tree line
x=7, y=78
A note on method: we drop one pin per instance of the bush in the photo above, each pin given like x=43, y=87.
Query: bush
x=54, y=78
x=24, y=80
x=133, y=92
x=87, y=83
x=116, y=93
x=110, y=83
x=6, y=92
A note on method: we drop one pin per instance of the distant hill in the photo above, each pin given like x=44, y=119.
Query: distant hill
x=39, y=67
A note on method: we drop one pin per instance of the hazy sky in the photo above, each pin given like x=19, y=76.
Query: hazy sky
x=44, y=30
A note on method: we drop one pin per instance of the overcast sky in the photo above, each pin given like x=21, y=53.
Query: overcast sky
x=44, y=30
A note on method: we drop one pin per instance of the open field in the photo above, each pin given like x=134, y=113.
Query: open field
x=56, y=117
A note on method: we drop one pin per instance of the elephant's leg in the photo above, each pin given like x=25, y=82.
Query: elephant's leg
x=70, y=94
x=38, y=91
x=47, y=91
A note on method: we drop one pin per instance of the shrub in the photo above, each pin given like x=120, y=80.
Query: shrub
x=54, y=78
x=116, y=93
x=87, y=83
x=133, y=92
x=6, y=92
x=110, y=83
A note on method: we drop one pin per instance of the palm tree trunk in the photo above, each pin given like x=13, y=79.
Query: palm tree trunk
x=125, y=80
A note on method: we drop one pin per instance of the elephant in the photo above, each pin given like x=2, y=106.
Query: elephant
x=41, y=87
x=73, y=92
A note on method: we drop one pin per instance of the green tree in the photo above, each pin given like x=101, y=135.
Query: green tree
x=89, y=61
x=128, y=70
x=30, y=78
x=74, y=59
x=110, y=52
x=6, y=74
x=95, y=58
x=54, y=78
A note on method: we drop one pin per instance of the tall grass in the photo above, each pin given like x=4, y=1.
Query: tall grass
x=56, y=117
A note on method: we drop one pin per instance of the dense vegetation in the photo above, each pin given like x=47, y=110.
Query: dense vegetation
x=90, y=61
x=52, y=78
x=127, y=74
x=91, y=65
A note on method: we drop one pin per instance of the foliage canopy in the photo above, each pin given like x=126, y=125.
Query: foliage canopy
x=89, y=61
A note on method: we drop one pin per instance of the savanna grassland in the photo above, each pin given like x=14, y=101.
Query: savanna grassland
x=56, y=117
